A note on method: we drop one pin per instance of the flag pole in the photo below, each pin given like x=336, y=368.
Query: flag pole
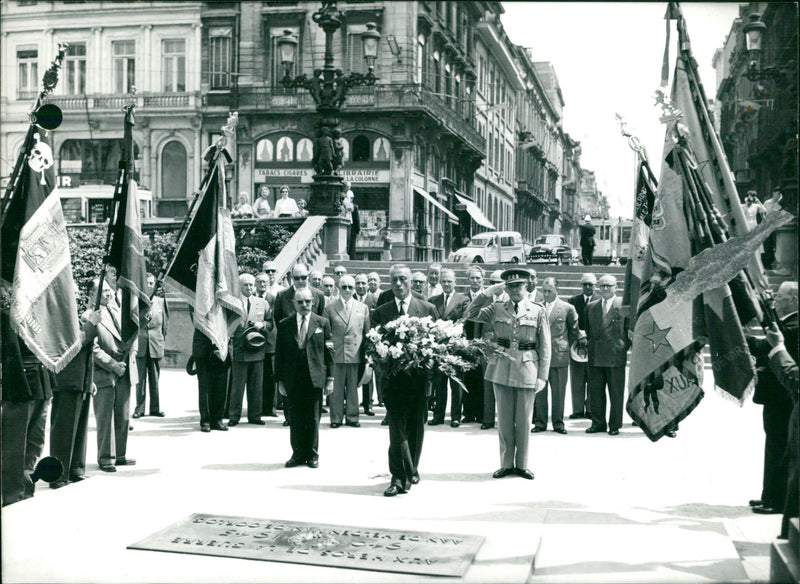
x=212, y=155
x=46, y=116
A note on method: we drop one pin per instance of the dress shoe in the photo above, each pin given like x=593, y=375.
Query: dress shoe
x=613, y=432
x=125, y=462
x=221, y=426
x=76, y=478
x=324, y=410
x=468, y=420
x=108, y=468
x=353, y=424
x=536, y=430
x=594, y=430
x=205, y=427
x=385, y=422
x=136, y=415
x=292, y=462
x=560, y=430
x=393, y=490
x=502, y=472
x=286, y=422
x=232, y=423
x=764, y=510
x=454, y=424
x=368, y=412
x=157, y=414
x=487, y=426
x=335, y=425
x=380, y=404
x=633, y=423
x=271, y=415
x=58, y=484
x=415, y=479
x=524, y=473
x=671, y=434
x=257, y=422
x=755, y=503
x=314, y=463
x=575, y=416
x=435, y=422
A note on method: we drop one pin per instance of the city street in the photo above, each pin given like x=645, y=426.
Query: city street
x=601, y=508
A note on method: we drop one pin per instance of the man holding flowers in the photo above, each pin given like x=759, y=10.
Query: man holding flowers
x=404, y=389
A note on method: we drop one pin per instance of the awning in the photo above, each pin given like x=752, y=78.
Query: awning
x=452, y=218
x=476, y=213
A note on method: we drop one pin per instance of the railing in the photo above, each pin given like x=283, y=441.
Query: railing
x=117, y=101
x=306, y=246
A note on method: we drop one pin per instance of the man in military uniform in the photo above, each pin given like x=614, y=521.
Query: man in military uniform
x=521, y=330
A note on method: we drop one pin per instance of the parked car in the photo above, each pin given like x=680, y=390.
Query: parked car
x=492, y=247
x=552, y=249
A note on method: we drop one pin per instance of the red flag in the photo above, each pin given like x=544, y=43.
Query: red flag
x=36, y=262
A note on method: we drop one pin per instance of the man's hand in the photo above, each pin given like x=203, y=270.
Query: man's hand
x=281, y=388
x=119, y=368
x=583, y=342
x=774, y=335
x=540, y=385
x=328, y=387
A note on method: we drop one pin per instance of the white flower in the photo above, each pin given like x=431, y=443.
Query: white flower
x=396, y=352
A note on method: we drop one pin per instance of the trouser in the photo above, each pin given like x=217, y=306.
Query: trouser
x=69, y=428
x=406, y=408
x=578, y=384
x=366, y=392
x=268, y=393
x=212, y=386
x=345, y=389
x=305, y=404
x=488, y=402
x=112, y=415
x=557, y=388
x=149, y=369
x=599, y=378
x=22, y=432
x=776, y=428
x=586, y=255
x=514, y=411
x=439, y=384
x=473, y=400
x=250, y=373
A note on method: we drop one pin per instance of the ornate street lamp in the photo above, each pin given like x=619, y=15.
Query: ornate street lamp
x=328, y=88
x=754, y=31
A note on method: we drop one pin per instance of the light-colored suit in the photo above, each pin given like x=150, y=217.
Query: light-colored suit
x=348, y=332
x=563, y=321
x=148, y=358
x=247, y=368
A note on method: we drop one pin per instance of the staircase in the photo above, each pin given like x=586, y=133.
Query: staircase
x=784, y=564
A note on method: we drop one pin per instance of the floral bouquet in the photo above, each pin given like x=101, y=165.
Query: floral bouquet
x=411, y=342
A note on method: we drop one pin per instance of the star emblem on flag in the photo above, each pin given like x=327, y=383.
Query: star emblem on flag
x=658, y=337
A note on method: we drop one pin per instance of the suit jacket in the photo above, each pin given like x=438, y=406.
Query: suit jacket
x=456, y=306
x=269, y=348
x=318, y=355
x=348, y=331
x=387, y=312
x=259, y=314
x=607, y=335
x=108, y=347
x=154, y=331
x=563, y=321
x=78, y=375
x=429, y=291
x=388, y=295
x=579, y=302
x=284, y=305
x=369, y=299
x=768, y=386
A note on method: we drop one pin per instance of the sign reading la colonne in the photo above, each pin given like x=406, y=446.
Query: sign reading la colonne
x=363, y=548
x=306, y=175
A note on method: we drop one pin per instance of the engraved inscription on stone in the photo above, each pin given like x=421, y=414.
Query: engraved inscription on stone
x=363, y=548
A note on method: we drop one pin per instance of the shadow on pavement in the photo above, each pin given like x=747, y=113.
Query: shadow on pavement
x=707, y=511
x=368, y=490
x=246, y=466
x=718, y=571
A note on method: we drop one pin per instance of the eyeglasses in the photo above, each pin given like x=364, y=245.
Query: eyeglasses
x=418, y=282
x=587, y=284
x=339, y=273
x=300, y=277
x=309, y=301
x=346, y=287
x=270, y=271
x=606, y=285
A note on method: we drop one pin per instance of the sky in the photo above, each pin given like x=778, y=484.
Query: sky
x=608, y=58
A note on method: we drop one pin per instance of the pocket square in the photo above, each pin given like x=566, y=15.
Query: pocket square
x=318, y=331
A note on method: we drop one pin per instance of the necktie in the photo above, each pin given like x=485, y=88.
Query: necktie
x=301, y=341
x=606, y=306
x=446, y=300
x=402, y=307
x=248, y=306
x=516, y=307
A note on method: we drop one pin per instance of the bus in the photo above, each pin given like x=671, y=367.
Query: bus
x=612, y=240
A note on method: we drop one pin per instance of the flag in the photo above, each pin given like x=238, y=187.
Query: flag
x=36, y=261
x=126, y=254
x=204, y=265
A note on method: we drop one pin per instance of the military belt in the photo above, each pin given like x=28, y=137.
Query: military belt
x=516, y=345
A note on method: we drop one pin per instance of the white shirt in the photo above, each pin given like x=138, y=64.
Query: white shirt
x=287, y=205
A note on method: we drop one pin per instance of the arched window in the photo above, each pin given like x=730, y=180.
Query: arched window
x=304, y=150
x=173, y=171
x=360, y=148
x=264, y=150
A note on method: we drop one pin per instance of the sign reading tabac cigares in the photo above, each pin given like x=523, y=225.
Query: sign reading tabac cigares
x=362, y=548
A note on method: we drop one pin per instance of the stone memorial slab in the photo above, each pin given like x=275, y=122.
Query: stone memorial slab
x=361, y=548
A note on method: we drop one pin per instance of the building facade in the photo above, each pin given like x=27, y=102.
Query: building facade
x=591, y=201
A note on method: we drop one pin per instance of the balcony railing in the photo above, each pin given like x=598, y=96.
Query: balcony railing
x=144, y=101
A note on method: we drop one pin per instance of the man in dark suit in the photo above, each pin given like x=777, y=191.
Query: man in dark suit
x=304, y=369
x=365, y=296
x=473, y=379
x=405, y=393
x=388, y=296
x=268, y=393
x=578, y=369
x=451, y=305
x=151, y=350
x=778, y=403
x=212, y=382
x=607, y=333
x=284, y=305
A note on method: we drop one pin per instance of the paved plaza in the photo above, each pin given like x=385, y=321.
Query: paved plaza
x=601, y=508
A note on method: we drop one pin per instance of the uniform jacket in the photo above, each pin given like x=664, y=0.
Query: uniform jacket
x=259, y=314
x=318, y=355
x=154, y=331
x=108, y=347
x=521, y=368
x=608, y=336
x=579, y=302
x=348, y=331
x=285, y=307
x=563, y=321
x=456, y=306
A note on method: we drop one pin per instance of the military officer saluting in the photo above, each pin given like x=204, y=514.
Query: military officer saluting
x=520, y=328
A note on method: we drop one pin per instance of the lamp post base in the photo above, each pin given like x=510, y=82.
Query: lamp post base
x=335, y=238
x=326, y=195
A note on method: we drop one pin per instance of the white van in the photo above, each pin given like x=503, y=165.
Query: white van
x=493, y=247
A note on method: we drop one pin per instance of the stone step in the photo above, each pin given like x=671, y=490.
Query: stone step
x=784, y=565
x=794, y=535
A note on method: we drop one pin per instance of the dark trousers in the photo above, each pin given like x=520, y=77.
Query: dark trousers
x=149, y=371
x=488, y=402
x=578, y=378
x=268, y=393
x=69, y=425
x=251, y=374
x=776, y=428
x=599, y=379
x=23, y=427
x=439, y=384
x=586, y=255
x=212, y=386
x=790, y=508
x=305, y=405
x=406, y=408
x=473, y=400
x=556, y=387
